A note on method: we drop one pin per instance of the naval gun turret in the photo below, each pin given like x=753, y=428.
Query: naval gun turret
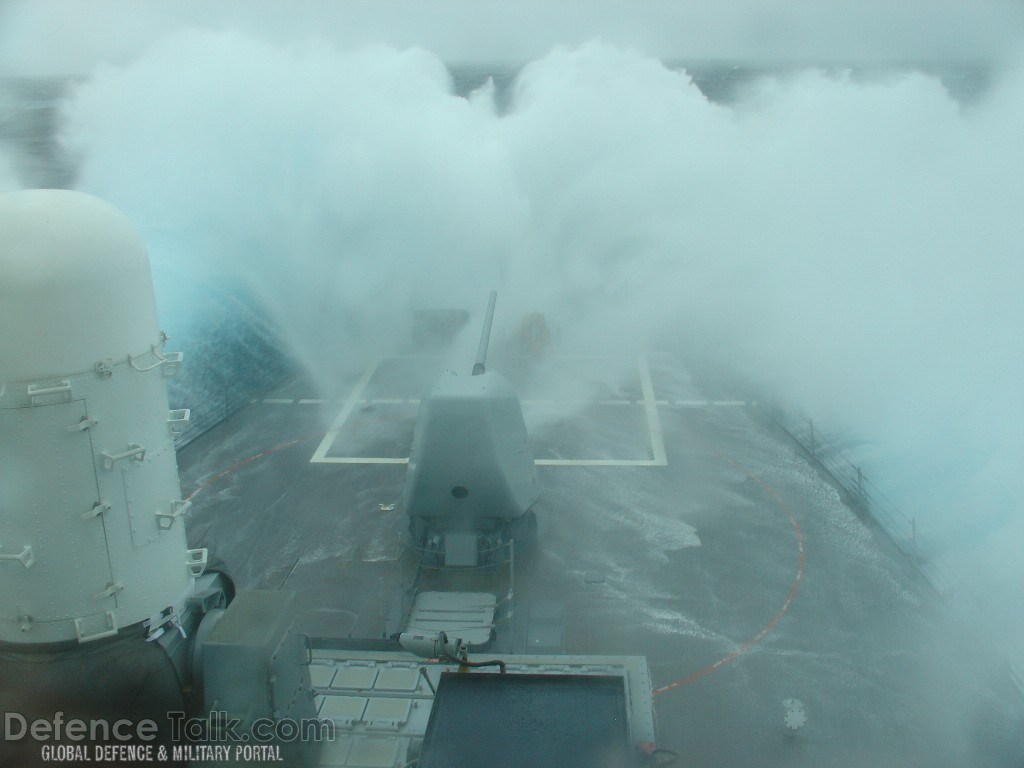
x=471, y=483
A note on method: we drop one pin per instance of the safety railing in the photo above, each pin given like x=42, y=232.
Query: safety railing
x=864, y=496
x=228, y=399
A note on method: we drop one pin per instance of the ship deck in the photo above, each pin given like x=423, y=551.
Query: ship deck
x=674, y=524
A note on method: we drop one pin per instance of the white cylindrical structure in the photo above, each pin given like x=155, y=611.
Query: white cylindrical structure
x=91, y=535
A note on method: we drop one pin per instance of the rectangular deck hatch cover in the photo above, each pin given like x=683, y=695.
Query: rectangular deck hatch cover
x=494, y=720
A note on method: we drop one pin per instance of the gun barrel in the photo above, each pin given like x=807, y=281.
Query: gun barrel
x=485, y=337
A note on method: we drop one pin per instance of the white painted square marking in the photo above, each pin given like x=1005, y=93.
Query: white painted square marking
x=650, y=405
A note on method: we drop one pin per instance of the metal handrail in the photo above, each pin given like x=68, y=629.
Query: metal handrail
x=901, y=529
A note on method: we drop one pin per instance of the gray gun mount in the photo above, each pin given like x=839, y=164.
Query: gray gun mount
x=471, y=473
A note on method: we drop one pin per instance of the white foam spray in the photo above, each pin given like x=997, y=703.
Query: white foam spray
x=852, y=244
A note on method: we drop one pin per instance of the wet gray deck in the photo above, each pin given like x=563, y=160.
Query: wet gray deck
x=673, y=525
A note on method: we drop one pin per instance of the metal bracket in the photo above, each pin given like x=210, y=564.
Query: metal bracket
x=177, y=419
x=25, y=557
x=171, y=361
x=165, y=520
x=98, y=508
x=172, y=364
x=104, y=368
x=111, y=590
x=62, y=391
x=83, y=424
x=135, y=452
x=197, y=560
x=154, y=351
x=111, y=629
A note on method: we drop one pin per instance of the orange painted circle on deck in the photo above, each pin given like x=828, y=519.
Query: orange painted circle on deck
x=778, y=615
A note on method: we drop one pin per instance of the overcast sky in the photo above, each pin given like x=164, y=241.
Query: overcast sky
x=56, y=37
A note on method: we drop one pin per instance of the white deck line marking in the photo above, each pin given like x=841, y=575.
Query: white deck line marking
x=578, y=357
x=707, y=403
x=360, y=460
x=538, y=462
x=650, y=405
x=307, y=401
x=387, y=401
x=344, y=413
x=653, y=422
x=279, y=400
x=599, y=463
